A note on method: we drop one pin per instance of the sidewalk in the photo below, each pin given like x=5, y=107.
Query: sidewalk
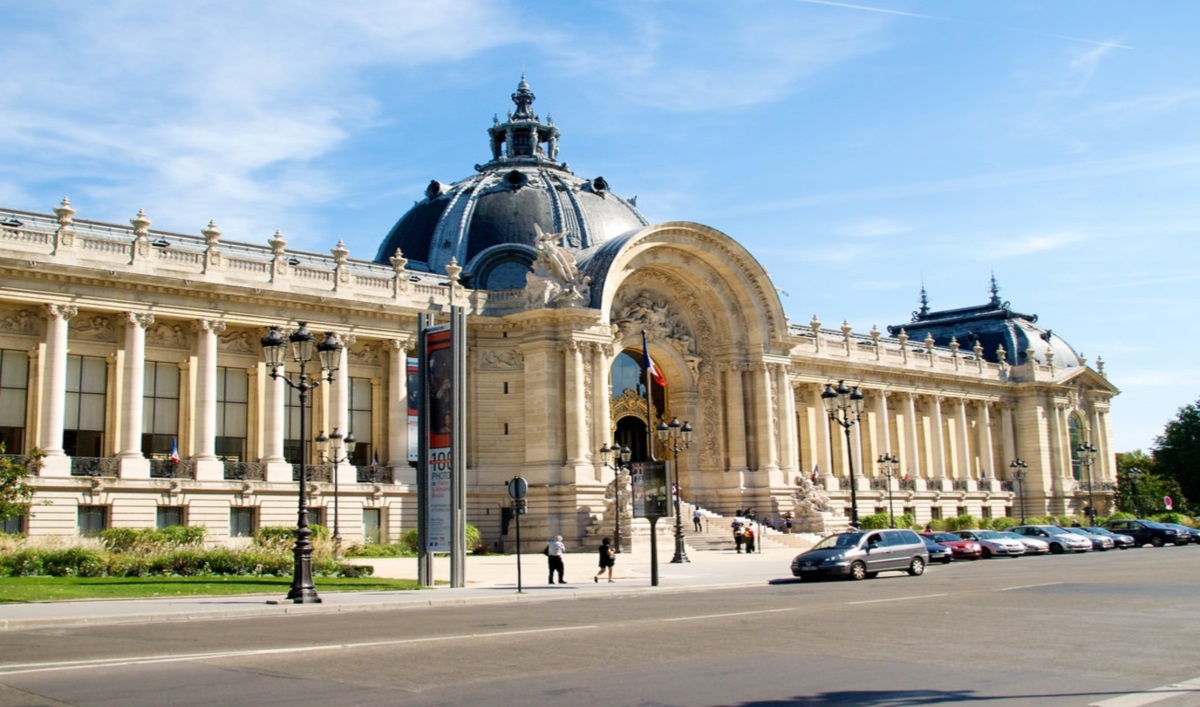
x=489, y=579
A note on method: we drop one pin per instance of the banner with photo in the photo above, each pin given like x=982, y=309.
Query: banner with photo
x=439, y=405
x=651, y=492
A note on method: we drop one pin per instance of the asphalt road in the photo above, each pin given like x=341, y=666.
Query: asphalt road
x=1070, y=630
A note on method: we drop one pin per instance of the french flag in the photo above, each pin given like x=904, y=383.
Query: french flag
x=649, y=365
x=175, y=451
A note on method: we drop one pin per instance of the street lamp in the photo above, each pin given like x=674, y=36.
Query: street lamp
x=671, y=435
x=845, y=407
x=1087, y=454
x=1018, y=467
x=621, y=455
x=333, y=443
x=885, y=466
x=303, y=591
x=1133, y=475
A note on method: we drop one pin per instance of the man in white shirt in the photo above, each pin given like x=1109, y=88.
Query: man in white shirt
x=554, y=556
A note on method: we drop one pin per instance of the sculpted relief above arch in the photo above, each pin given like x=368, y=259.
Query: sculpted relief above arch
x=643, y=313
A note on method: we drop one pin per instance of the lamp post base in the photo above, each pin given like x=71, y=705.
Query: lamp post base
x=680, y=556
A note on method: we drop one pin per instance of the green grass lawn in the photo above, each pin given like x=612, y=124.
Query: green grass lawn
x=27, y=589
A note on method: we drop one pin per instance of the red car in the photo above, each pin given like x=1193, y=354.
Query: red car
x=960, y=548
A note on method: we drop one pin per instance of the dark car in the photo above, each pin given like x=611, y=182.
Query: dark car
x=960, y=547
x=1099, y=542
x=937, y=551
x=1188, y=532
x=1147, y=532
x=1121, y=541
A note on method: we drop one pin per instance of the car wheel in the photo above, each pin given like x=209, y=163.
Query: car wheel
x=987, y=554
x=1056, y=548
x=916, y=567
x=947, y=560
x=1156, y=541
x=858, y=571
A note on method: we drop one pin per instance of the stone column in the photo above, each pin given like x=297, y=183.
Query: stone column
x=576, y=403
x=824, y=440
x=764, y=433
x=133, y=463
x=987, y=453
x=339, y=408
x=788, y=452
x=397, y=411
x=54, y=390
x=601, y=405
x=205, y=415
x=963, y=456
x=735, y=417
x=884, y=432
x=1009, y=436
x=937, y=444
x=912, y=462
x=275, y=426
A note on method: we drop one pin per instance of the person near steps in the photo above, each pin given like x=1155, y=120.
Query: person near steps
x=554, y=558
x=696, y=520
x=608, y=558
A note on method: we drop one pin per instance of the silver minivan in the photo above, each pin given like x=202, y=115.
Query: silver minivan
x=863, y=553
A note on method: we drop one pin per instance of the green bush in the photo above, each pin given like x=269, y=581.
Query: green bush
x=373, y=550
x=72, y=562
x=149, y=540
x=872, y=522
x=184, y=535
x=1003, y=523
x=1171, y=518
x=409, y=539
x=474, y=540
x=22, y=563
x=1121, y=515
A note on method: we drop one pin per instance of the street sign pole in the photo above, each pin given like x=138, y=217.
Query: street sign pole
x=517, y=489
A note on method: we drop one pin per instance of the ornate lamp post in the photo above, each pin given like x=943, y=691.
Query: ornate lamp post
x=621, y=456
x=1087, y=454
x=1018, y=467
x=885, y=466
x=303, y=591
x=671, y=435
x=333, y=443
x=1133, y=475
x=845, y=407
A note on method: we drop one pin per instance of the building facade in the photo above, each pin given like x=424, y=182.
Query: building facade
x=131, y=357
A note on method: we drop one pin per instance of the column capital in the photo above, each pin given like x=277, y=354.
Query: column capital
x=216, y=326
x=402, y=343
x=142, y=319
x=59, y=311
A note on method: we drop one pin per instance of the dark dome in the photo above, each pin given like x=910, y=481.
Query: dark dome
x=487, y=221
x=991, y=325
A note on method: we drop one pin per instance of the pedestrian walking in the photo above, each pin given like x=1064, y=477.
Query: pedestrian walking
x=738, y=535
x=696, y=520
x=554, y=558
x=608, y=558
x=748, y=539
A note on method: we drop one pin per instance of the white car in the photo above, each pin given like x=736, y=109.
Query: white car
x=1060, y=540
x=994, y=544
x=1033, y=546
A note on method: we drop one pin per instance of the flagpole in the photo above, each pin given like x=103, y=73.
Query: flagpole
x=649, y=406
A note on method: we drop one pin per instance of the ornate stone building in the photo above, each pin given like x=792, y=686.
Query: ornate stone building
x=122, y=343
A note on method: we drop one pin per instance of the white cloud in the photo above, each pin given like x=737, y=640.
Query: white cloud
x=875, y=228
x=1027, y=245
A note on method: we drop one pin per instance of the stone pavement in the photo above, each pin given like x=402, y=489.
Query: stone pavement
x=489, y=579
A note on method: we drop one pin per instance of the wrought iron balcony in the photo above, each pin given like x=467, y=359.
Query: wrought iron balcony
x=244, y=471
x=94, y=466
x=375, y=474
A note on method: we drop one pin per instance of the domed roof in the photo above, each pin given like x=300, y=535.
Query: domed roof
x=486, y=222
x=991, y=325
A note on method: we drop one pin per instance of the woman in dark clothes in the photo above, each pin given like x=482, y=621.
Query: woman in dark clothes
x=607, y=560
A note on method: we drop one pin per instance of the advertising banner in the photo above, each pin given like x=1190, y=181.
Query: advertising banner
x=439, y=404
x=414, y=396
x=651, y=492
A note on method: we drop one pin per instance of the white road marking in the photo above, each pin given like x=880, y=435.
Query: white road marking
x=722, y=616
x=1158, y=694
x=22, y=668
x=1026, y=586
x=879, y=601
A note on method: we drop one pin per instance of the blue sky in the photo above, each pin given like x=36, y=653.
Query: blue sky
x=857, y=149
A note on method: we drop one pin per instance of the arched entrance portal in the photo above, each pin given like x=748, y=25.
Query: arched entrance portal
x=630, y=415
x=631, y=432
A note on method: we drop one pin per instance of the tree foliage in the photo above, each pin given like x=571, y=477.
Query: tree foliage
x=1140, y=485
x=15, y=494
x=1177, y=453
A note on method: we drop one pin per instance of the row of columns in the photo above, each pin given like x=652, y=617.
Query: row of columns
x=204, y=420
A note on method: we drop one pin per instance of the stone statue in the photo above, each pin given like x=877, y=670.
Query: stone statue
x=555, y=280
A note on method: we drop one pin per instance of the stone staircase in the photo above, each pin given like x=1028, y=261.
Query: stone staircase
x=717, y=535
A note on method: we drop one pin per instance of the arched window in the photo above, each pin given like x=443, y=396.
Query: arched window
x=1075, y=430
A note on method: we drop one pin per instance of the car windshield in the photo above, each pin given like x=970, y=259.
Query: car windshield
x=1015, y=536
x=1077, y=531
x=988, y=535
x=946, y=538
x=1152, y=524
x=1099, y=531
x=835, y=541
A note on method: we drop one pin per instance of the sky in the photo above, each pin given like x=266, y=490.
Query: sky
x=859, y=150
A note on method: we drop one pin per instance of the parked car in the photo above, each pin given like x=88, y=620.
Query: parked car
x=1147, y=531
x=937, y=551
x=1059, y=539
x=1099, y=542
x=960, y=547
x=993, y=543
x=1123, y=542
x=1033, y=546
x=1191, y=533
x=863, y=554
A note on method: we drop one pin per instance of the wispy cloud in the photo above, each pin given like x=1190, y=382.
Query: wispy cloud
x=875, y=229
x=1028, y=245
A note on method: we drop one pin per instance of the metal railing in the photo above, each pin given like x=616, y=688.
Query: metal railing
x=244, y=471
x=375, y=474
x=94, y=466
x=316, y=472
x=172, y=469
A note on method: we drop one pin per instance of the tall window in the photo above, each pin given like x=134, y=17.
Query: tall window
x=1076, y=432
x=233, y=400
x=360, y=420
x=291, y=432
x=241, y=522
x=83, y=423
x=92, y=519
x=14, y=384
x=168, y=516
x=160, y=409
